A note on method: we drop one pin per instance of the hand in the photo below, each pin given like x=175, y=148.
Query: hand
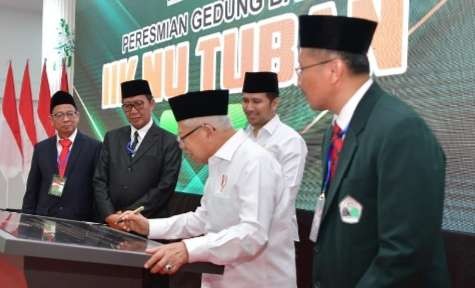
x=133, y=245
x=167, y=259
x=112, y=220
x=134, y=222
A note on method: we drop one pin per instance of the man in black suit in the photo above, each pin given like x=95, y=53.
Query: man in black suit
x=139, y=164
x=60, y=179
x=378, y=217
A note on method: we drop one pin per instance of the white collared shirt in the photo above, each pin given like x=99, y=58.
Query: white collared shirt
x=142, y=132
x=244, y=217
x=290, y=150
x=343, y=119
x=72, y=138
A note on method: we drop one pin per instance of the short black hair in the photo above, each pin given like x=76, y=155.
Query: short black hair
x=357, y=63
x=271, y=95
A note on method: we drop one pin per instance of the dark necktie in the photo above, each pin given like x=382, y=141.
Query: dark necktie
x=337, y=146
x=134, y=144
x=63, y=156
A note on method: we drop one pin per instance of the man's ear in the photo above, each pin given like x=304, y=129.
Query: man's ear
x=337, y=69
x=274, y=104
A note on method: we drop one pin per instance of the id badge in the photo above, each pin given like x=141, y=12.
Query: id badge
x=57, y=186
x=317, y=218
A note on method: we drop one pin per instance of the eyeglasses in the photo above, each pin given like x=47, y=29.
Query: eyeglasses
x=138, y=105
x=61, y=115
x=299, y=70
x=180, y=139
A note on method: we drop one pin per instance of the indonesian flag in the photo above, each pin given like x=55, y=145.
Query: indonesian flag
x=44, y=102
x=64, y=79
x=28, y=118
x=11, y=152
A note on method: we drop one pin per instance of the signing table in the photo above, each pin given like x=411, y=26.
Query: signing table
x=54, y=252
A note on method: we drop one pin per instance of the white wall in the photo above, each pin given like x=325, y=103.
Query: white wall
x=20, y=34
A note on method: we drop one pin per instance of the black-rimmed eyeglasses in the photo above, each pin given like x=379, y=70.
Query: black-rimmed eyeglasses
x=180, y=139
x=299, y=70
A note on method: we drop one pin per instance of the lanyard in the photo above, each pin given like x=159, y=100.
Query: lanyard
x=326, y=181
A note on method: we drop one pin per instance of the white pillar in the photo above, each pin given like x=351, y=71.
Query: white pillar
x=58, y=39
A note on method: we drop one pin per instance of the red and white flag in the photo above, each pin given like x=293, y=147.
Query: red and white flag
x=28, y=118
x=64, y=78
x=11, y=152
x=44, y=103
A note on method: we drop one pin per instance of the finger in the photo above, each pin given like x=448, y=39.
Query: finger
x=165, y=265
x=152, y=250
x=156, y=256
x=123, y=216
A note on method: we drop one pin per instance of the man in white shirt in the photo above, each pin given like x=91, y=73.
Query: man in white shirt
x=260, y=102
x=244, y=218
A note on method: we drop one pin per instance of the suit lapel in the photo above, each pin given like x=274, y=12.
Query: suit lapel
x=124, y=139
x=350, y=146
x=147, y=143
x=53, y=152
x=74, y=154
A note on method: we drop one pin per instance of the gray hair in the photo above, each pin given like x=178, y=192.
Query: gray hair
x=219, y=122
x=356, y=63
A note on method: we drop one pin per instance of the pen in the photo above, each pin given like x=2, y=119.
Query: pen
x=138, y=210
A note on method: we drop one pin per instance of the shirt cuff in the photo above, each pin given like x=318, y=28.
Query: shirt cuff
x=156, y=228
x=198, y=250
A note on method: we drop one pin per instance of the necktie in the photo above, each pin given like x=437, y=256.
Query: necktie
x=63, y=156
x=134, y=144
x=337, y=145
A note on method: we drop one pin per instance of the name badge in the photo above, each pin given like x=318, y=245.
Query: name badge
x=350, y=210
x=317, y=218
x=57, y=186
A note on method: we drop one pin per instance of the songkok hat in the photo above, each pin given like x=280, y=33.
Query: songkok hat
x=61, y=97
x=257, y=82
x=135, y=87
x=200, y=104
x=339, y=33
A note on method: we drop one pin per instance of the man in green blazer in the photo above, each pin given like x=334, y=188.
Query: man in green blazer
x=378, y=217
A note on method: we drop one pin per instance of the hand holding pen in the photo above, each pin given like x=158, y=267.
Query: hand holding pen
x=134, y=221
x=128, y=212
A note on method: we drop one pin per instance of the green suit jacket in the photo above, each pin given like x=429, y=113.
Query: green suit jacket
x=391, y=164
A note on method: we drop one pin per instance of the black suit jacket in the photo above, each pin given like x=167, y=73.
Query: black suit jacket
x=148, y=179
x=392, y=164
x=77, y=199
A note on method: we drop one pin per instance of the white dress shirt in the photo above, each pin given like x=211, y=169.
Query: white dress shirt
x=290, y=150
x=346, y=113
x=142, y=132
x=71, y=138
x=245, y=218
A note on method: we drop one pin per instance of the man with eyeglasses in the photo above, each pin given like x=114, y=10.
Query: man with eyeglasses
x=378, y=216
x=139, y=163
x=60, y=179
x=244, y=220
x=260, y=99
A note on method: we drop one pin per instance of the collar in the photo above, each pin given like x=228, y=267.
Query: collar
x=72, y=137
x=270, y=127
x=343, y=119
x=226, y=151
x=142, y=131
